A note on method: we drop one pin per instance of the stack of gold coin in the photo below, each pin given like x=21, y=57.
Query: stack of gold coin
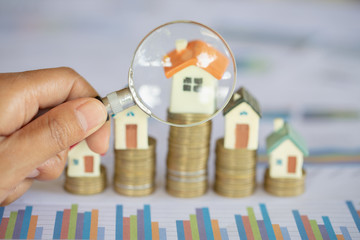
x=135, y=170
x=86, y=185
x=235, y=171
x=285, y=187
x=188, y=156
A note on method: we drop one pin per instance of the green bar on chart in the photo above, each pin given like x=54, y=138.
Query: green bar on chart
x=253, y=223
x=73, y=220
x=11, y=225
x=133, y=227
x=194, y=227
x=316, y=230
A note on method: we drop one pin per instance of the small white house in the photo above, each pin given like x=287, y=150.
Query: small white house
x=286, y=150
x=195, y=68
x=242, y=116
x=82, y=162
x=131, y=129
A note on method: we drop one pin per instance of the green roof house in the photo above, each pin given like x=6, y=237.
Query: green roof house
x=286, y=150
x=242, y=115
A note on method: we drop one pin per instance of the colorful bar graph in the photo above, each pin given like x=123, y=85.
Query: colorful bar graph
x=70, y=223
x=199, y=226
x=136, y=226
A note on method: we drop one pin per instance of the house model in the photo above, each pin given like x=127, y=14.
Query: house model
x=286, y=150
x=242, y=116
x=131, y=129
x=82, y=162
x=195, y=68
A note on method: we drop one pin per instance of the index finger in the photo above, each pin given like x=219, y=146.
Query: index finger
x=27, y=92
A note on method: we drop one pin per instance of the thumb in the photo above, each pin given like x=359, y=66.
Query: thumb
x=50, y=134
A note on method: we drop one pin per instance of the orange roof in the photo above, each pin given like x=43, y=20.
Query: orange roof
x=197, y=53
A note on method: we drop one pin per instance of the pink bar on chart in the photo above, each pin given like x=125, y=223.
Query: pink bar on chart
x=187, y=230
x=308, y=227
x=126, y=228
x=3, y=227
x=247, y=226
x=65, y=224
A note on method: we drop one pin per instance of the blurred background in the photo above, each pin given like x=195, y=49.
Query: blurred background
x=301, y=59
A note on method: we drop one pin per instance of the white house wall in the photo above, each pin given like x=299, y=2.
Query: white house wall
x=79, y=152
x=140, y=119
x=283, y=151
x=233, y=117
x=193, y=102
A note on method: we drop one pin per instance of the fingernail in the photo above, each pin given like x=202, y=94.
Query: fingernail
x=34, y=174
x=91, y=114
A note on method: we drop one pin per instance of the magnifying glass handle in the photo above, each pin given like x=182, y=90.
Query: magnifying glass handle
x=118, y=101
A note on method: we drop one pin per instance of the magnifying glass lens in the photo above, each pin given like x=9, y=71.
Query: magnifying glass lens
x=182, y=73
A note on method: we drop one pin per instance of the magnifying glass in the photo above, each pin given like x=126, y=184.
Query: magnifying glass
x=181, y=67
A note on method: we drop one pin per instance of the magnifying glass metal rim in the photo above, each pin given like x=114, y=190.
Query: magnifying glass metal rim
x=142, y=106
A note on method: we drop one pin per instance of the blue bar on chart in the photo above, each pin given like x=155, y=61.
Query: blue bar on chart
x=267, y=222
x=354, y=214
x=329, y=227
x=180, y=230
x=345, y=233
x=300, y=225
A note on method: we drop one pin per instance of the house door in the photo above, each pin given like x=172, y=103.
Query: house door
x=241, y=135
x=89, y=164
x=131, y=136
x=291, y=164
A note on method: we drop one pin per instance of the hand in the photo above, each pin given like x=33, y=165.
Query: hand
x=34, y=146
